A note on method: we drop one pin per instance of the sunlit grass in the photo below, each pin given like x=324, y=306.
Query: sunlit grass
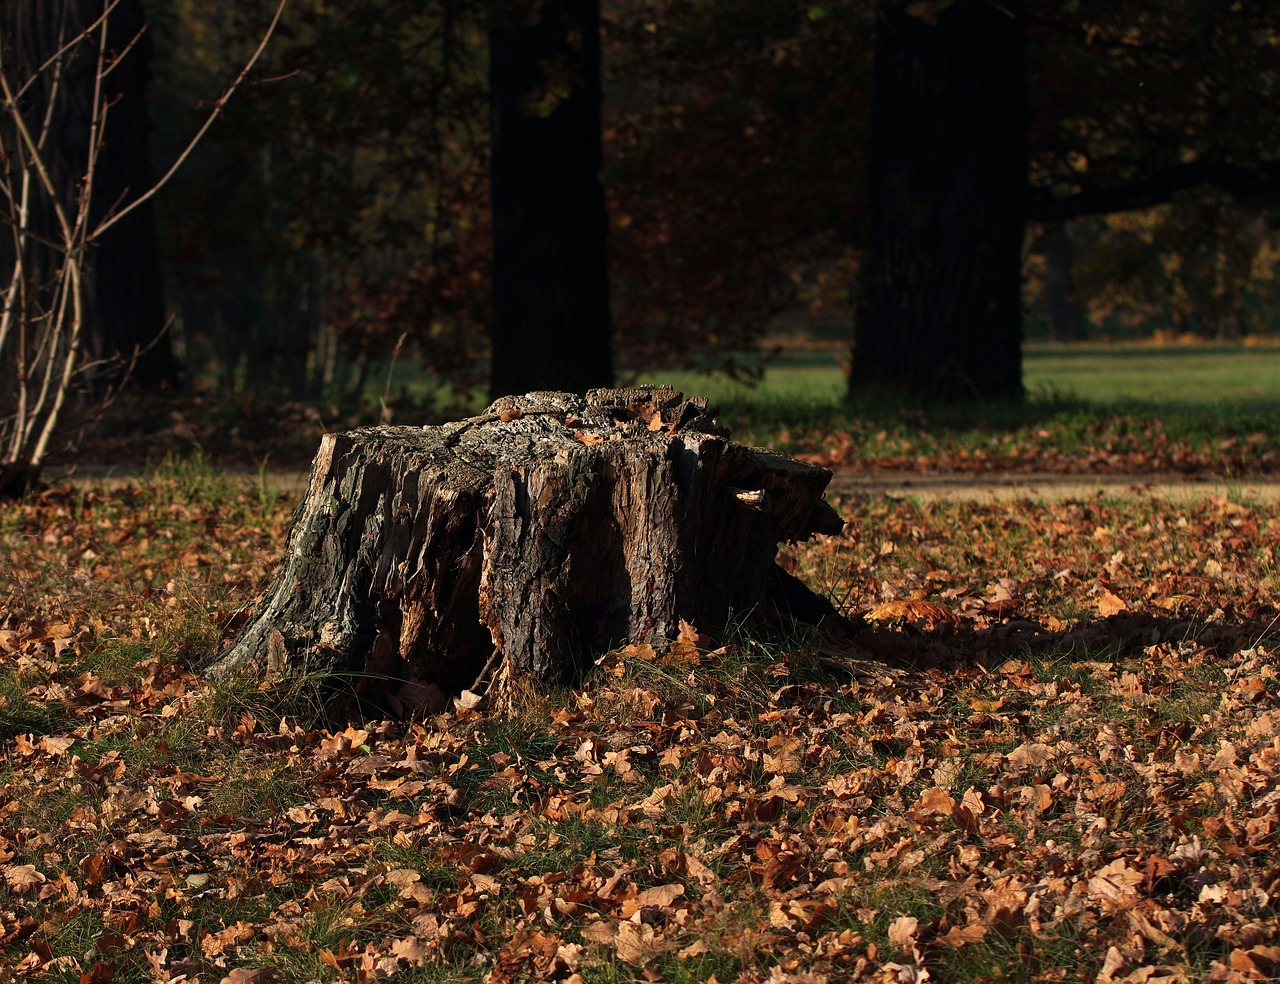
x=1236, y=379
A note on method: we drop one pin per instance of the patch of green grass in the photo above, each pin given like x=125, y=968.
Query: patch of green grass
x=1218, y=402
x=302, y=698
x=561, y=845
x=673, y=969
x=252, y=792
x=870, y=905
x=21, y=713
x=194, y=478
x=1019, y=956
x=1232, y=378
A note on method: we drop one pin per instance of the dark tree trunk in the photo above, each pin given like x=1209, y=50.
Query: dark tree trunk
x=940, y=311
x=1066, y=320
x=551, y=327
x=128, y=300
x=529, y=539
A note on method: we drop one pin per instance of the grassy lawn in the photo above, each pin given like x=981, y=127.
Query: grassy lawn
x=1114, y=409
x=1044, y=748
x=1234, y=379
x=1192, y=411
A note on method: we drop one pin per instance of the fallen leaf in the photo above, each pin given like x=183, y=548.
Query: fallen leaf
x=660, y=894
x=21, y=877
x=250, y=975
x=902, y=931
x=1110, y=603
x=928, y=612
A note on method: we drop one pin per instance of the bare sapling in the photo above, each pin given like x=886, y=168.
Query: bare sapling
x=45, y=300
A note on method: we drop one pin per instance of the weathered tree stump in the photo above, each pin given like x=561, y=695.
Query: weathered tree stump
x=532, y=538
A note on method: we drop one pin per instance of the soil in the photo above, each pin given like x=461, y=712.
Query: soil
x=1050, y=487
x=985, y=487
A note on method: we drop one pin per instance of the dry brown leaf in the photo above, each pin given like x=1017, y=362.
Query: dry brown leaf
x=661, y=895
x=410, y=950
x=21, y=877
x=689, y=634
x=902, y=931
x=699, y=872
x=1110, y=603
x=637, y=944
x=1031, y=754
x=958, y=936
x=1117, y=880
x=599, y=931
x=251, y=975
x=1258, y=963
x=936, y=802
x=929, y=612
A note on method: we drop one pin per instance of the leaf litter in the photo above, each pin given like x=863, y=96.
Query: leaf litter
x=1043, y=745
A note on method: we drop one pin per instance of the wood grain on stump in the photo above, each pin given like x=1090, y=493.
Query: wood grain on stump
x=533, y=537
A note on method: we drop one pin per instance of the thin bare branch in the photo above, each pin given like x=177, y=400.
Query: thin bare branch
x=120, y=56
x=37, y=158
x=218, y=109
x=63, y=49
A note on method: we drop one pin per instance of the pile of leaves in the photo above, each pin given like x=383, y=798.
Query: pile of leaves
x=1044, y=746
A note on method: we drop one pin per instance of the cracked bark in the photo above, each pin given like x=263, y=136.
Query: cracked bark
x=525, y=541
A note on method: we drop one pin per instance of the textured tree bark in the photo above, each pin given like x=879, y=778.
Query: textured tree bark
x=529, y=539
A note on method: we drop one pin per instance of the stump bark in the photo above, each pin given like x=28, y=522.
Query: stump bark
x=531, y=538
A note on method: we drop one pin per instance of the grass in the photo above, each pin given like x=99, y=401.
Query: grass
x=1240, y=380
x=1136, y=409
x=1124, y=408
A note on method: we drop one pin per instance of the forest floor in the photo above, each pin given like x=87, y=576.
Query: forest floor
x=1043, y=746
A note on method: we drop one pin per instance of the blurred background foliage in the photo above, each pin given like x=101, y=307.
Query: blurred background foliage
x=342, y=204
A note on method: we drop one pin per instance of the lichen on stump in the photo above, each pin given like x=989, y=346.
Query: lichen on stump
x=531, y=538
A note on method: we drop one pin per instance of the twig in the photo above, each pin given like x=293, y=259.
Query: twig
x=218, y=108
x=482, y=680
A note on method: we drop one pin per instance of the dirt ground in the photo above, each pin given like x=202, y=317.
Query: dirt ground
x=965, y=486
x=1049, y=487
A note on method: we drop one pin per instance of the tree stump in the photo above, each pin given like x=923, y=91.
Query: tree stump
x=530, y=539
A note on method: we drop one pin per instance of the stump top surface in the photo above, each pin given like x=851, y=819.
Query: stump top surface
x=515, y=429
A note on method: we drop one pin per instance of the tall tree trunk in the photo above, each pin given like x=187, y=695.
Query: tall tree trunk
x=128, y=299
x=551, y=327
x=940, y=311
x=1066, y=320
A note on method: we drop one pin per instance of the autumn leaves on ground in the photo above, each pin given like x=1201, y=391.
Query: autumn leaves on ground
x=1046, y=750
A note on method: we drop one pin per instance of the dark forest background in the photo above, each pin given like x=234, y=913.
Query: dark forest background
x=523, y=194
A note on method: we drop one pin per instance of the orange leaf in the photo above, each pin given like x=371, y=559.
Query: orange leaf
x=929, y=612
x=1110, y=603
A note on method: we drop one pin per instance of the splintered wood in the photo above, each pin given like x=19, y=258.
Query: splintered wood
x=525, y=542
